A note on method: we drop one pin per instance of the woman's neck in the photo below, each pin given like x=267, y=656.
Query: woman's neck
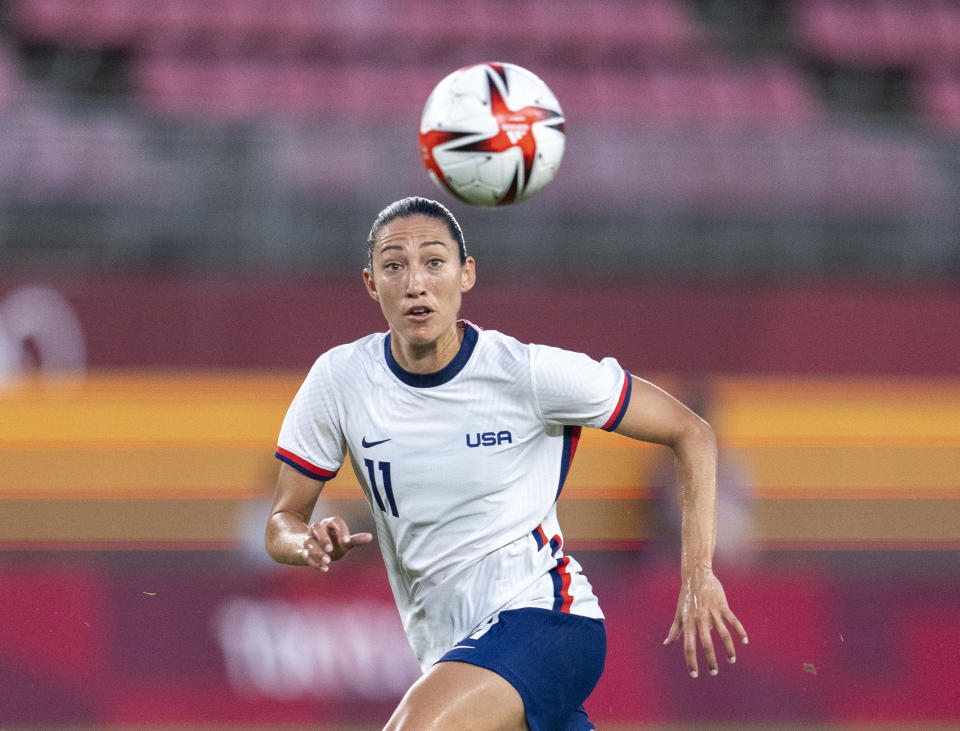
x=429, y=357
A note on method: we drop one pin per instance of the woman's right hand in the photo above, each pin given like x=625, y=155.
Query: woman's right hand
x=329, y=540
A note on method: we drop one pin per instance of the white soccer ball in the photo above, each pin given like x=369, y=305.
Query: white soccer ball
x=492, y=134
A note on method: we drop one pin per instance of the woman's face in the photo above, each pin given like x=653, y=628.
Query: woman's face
x=418, y=279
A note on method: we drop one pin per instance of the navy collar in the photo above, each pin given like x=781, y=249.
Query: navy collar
x=451, y=369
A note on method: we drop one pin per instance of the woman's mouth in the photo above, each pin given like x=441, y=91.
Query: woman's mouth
x=418, y=313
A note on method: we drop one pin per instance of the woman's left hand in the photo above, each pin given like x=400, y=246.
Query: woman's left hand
x=701, y=609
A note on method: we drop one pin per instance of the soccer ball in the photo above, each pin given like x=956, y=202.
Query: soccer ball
x=492, y=134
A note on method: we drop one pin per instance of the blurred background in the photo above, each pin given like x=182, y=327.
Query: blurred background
x=759, y=210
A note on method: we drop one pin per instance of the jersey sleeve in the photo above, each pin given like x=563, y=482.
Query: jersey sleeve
x=573, y=388
x=311, y=440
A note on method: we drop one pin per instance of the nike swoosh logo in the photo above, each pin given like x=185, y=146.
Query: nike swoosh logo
x=364, y=443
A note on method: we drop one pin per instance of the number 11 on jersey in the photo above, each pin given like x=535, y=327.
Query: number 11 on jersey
x=384, y=468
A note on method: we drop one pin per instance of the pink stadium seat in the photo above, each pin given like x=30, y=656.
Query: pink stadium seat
x=45, y=20
x=714, y=93
x=835, y=170
x=54, y=156
x=938, y=99
x=290, y=24
x=946, y=31
x=831, y=30
x=717, y=93
x=425, y=25
x=113, y=22
x=10, y=84
x=788, y=95
x=652, y=27
x=879, y=32
x=210, y=25
x=906, y=31
x=92, y=23
x=570, y=27
x=408, y=28
x=166, y=22
x=162, y=82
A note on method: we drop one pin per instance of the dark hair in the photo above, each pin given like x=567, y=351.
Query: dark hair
x=415, y=206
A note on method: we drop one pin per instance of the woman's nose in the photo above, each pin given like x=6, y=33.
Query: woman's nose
x=414, y=280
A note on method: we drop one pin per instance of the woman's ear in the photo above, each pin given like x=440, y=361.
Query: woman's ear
x=468, y=275
x=370, y=284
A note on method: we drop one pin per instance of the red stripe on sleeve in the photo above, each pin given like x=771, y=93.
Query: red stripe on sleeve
x=295, y=460
x=619, y=407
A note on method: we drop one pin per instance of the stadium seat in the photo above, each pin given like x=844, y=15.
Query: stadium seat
x=105, y=23
x=938, y=100
x=45, y=20
x=49, y=155
x=10, y=82
x=653, y=27
x=708, y=93
x=620, y=29
x=879, y=33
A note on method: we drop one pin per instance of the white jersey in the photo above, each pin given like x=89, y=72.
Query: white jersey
x=462, y=469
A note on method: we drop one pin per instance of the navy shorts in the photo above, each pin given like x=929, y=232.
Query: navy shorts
x=553, y=659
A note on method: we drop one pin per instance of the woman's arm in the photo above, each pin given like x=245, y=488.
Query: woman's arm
x=292, y=539
x=654, y=416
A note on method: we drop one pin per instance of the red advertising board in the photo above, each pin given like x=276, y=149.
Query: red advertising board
x=149, y=638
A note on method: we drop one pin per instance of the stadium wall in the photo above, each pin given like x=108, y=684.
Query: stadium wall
x=133, y=495
x=684, y=330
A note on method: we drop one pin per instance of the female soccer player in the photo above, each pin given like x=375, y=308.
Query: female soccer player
x=462, y=439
